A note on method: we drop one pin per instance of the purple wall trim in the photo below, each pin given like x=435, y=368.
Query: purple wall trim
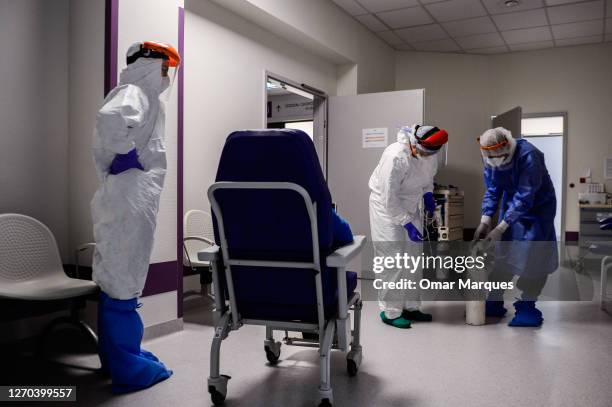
x=111, y=41
x=571, y=236
x=161, y=278
x=179, y=143
x=167, y=276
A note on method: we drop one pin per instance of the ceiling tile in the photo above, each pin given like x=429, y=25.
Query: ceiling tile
x=580, y=40
x=480, y=41
x=478, y=25
x=404, y=47
x=557, y=2
x=532, y=45
x=390, y=38
x=522, y=19
x=446, y=45
x=372, y=22
x=405, y=17
x=576, y=12
x=609, y=9
x=608, y=25
x=422, y=33
x=491, y=50
x=351, y=7
x=383, y=5
x=456, y=9
x=527, y=35
x=608, y=37
x=581, y=29
x=499, y=6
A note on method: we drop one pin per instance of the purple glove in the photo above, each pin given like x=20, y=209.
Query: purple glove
x=124, y=162
x=413, y=232
x=430, y=203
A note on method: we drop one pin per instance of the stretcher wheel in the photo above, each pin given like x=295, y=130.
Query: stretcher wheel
x=325, y=403
x=271, y=355
x=351, y=367
x=217, y=398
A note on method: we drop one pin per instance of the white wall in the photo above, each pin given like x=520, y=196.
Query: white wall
x=86, y=84
x=456, y=99
x=225, y=60
x=324, y=28
x=34, y=112
x=576, y=80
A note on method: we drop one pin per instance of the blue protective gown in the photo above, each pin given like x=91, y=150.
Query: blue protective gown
x=525, y=196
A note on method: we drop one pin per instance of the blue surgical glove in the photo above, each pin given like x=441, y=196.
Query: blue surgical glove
x=413, y=232
x=123, y=162
x=430, y=203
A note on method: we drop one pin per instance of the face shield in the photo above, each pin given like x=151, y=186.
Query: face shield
x=497, y=147
x=171, y=61
x=425, y=141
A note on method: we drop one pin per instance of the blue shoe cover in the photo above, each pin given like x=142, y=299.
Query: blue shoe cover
x=399, y=322
x=526, y=314
x=120, y=332
x=495, y=309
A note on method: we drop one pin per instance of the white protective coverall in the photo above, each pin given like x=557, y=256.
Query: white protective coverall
x=125, y=206
x=397, y=186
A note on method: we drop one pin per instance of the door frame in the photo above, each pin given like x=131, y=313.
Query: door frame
x=319, y=119
x=562, y=232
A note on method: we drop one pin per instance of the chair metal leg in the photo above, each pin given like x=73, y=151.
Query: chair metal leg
x=606, y=263
x=355, y=355
x=73, y=320
x=217, y=384
x=325, y=390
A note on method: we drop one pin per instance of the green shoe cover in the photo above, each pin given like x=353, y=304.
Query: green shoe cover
x=417, y=316
x=399, y=322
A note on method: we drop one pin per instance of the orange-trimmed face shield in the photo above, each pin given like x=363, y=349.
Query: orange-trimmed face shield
x=168, y=51
x=155, y=49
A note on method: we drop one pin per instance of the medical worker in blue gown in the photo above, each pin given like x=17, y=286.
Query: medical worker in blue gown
x=130, y=159
x=518, y=184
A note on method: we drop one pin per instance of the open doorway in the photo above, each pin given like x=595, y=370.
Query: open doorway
x=293, y=106
x=547, y=131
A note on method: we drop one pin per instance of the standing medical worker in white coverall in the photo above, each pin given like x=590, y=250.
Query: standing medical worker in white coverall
x=401, y=181
x=130, y=160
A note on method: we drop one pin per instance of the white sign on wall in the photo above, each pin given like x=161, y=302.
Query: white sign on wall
x=374, y=138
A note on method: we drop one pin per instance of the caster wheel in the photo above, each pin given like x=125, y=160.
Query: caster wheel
x=351, y=368
x=271, y=356
x=325, y=403
x=217, y=398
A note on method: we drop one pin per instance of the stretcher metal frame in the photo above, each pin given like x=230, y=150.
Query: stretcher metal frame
x=334, y=333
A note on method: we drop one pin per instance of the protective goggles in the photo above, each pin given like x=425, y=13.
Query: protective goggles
x=497, y=146
x=154, y=49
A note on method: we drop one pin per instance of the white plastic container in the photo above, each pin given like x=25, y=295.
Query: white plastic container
x=475, y=312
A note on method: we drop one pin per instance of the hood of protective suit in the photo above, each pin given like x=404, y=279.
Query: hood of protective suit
x=497, y=147
x=419, y=138
x=146, y=74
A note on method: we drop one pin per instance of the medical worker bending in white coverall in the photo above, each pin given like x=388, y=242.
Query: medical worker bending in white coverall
x=130, y=160
x=401, y=181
